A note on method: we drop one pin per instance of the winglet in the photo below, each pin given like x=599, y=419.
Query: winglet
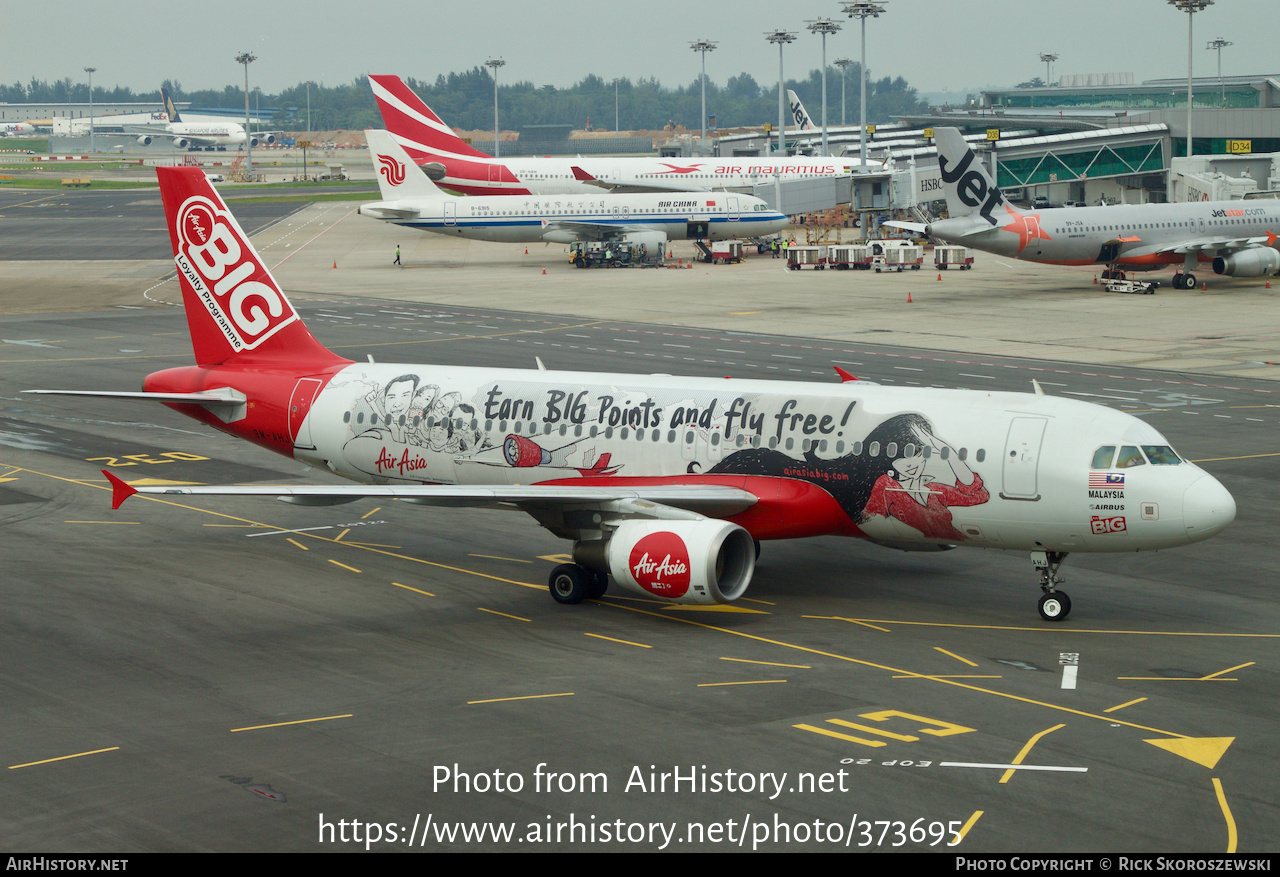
x=582, y=176
x=1272, y=238
x=119, y=490
x=845, y=377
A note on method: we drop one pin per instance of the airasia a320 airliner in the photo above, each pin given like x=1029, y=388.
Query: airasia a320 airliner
x=666, y=484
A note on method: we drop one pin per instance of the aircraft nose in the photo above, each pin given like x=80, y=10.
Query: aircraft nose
x=1207, y=508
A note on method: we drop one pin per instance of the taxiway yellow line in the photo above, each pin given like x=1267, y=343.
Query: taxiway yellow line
x=770, y=663
x=964, y=829
x=1026, y=750
x=864, y=663
x=1226, y=814
x=415, y=590
x=523, y=697
x=63, y=757
x=298, y=722
x=343, y=565
x=503, y=614
x=753, y=682
x=954, y=655
x=623, y=641
x=871, y=622
x=1123, y=705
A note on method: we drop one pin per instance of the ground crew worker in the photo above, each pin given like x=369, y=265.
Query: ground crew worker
x=397, y=261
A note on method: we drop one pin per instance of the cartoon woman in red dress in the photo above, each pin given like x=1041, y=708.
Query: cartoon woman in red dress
x=905, y=492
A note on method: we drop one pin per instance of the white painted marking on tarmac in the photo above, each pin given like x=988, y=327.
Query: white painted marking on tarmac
x=1101, y=396
x=986, y=377
x=278, y=532
x=1069, y=676
x=1047, y=767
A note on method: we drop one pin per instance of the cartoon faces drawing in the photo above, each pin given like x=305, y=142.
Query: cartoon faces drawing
x=887, y=478
x=904, y=492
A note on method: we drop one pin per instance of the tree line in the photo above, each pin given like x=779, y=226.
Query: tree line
x=465, y=100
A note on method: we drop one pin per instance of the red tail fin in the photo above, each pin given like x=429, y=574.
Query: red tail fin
x=235, y=308
x=418, y=129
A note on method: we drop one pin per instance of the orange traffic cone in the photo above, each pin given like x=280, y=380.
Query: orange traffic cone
x=335, y=263
x=1268, y=284
x=526, y=251
x=1095, y=280
x=908, y=298
x=939, y=277
x=1204, y=287
x=544, y=270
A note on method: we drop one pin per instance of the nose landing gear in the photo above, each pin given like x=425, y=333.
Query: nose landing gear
x=1054, y=605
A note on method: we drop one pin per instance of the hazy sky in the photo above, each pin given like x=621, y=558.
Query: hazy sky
x=935, y=44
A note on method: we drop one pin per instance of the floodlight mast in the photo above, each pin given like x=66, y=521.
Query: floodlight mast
x=247, y=58
x=824, y=26
x=1191, y=7
x=862, y=10
x=1048, y=58
x=702, y=47
x=92, y=70
x=781, y=37
x=493, y=64
x=1220, y=44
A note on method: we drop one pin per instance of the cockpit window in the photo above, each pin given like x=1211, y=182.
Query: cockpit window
x=1102, y=457
x=1130, y=457
x=1162, y=455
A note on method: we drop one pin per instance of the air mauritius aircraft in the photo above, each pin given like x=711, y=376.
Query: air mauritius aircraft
x=412, y=200
x=1237, y=237
x=664, y=484
x=457, y=167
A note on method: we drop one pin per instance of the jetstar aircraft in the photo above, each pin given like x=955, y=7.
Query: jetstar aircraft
x=412, y=200
x=457, y=167
x=1237, y=237
x=664, y=483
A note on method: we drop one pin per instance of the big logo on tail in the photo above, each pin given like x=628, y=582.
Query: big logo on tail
x=216, y=259
x=391, y=169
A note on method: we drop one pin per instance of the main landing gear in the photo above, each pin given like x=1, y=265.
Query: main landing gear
x=1054, y=605
x=571, y=583
x=1184, y=281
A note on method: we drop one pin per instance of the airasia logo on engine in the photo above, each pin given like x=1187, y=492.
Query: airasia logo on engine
x=660, y=564
x=220, y=266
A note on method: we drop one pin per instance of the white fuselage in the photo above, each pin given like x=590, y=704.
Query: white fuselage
x=1137, y=236
x=568, y=218
x=999, y=470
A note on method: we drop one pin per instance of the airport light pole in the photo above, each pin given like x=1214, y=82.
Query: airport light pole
x=1048, y=58
x=247, y=58
x=842, y=63
x=824, y=26
x=92, y=70
x=702, y=47
x=863, y=9
x=493, y=64
x=781, y=37
x=1218, y=44
x=1191, y=7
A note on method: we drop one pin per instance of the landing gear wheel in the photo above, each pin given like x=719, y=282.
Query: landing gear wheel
x=569, y=583
x=1188, y=281
x=597, y=584
x=1055, y=606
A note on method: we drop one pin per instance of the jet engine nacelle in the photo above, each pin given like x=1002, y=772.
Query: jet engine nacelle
x=435, y=170
x=704, y=561
x=144, y=140
x=1254, y=262
x=181, y=143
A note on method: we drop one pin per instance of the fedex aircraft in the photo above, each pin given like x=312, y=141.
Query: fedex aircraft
x=664, y=483
x=195, y=134
x=412, y=200
x=457, y=167
x=16, y=129
x=1237, y=237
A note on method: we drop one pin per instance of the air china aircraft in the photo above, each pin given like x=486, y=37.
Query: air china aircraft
x=457, y=167
x=412, y=200
x=1237, y=237
x=664, y=483
x=188, y=134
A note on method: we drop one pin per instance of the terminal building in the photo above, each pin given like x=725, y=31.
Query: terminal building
x=1086, y=140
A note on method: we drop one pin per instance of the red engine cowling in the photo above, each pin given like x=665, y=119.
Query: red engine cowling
x=707, y=561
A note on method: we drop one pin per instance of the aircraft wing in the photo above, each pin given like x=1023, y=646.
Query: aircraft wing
x=1218, y=246
x=665, y=501
x=158, y=132
x=596, y=231
x=635, y=186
